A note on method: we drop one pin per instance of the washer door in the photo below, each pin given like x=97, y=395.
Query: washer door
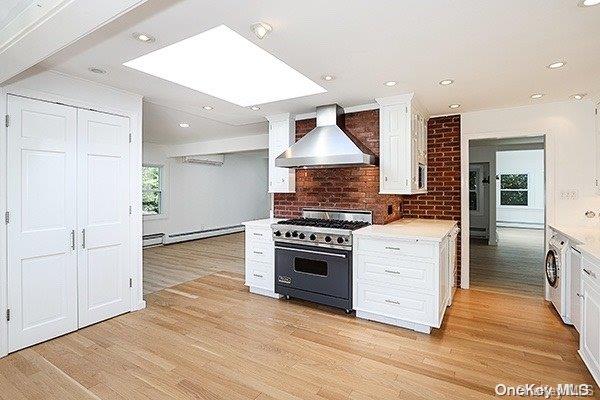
x=552, y=268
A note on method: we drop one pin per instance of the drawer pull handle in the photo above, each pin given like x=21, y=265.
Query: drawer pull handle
x=392, y=302
x=258, y=276
x=389, y=271
x=257, y=234
x=257, y=252
x=593, y=275
x=579, y=295
x=392, y=248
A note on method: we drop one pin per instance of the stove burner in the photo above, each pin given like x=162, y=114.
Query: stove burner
x=325, y=223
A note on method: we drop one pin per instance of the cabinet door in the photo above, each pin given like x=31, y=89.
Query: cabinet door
x=103, y=216
x=395, y=149
x=590, y=326
x=575, y=288
x=42, y=261
x=281, y=180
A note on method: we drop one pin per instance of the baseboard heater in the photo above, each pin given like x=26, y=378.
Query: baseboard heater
x=154, y=239
x=185, y=236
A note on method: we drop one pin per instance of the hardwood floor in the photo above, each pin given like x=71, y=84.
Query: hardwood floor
x=211, y=339
x=515, y=265
x=166, y=266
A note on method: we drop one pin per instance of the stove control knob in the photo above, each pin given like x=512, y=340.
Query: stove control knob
x=340, y=240
x=295, y=234
x=313, y=237
x=277, y=233
x=288, y=234
x=328, y=239
x=301, y=236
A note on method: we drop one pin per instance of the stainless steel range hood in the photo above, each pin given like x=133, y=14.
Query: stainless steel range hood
x=326, y=146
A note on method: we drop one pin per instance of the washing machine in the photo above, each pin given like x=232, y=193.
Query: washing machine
x=556, y=275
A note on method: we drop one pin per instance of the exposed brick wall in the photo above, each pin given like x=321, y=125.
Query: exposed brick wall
x=358, y=187
x=355, y=188
x=442, y=200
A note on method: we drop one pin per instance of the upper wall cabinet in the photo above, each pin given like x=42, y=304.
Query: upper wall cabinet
x=282, y=134
x=402, y=145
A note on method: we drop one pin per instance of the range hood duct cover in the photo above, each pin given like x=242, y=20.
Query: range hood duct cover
x=327, y=146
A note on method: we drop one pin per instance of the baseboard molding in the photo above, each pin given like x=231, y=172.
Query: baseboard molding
x=187, y=236
x=139, y=306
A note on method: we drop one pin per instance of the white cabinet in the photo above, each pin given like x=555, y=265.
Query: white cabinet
x=589, y=336
x=260, y=258
x=402, y=145
x=282, y=134
x=574, y=282
x=403, y=282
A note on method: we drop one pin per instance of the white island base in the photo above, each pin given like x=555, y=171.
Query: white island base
x=394, y=321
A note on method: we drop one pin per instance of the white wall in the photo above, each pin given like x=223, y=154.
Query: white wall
x=51, y=86
x=199, y=197
x=530, y=162
x=570, y=129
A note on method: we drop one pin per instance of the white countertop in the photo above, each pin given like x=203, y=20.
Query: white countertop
x=262, y=223
x=584, y=239
x=410, y=228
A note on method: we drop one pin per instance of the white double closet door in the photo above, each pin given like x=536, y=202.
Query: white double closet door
x=68, y=235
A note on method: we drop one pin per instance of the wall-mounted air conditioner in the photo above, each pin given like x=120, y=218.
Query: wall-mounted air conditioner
x=216, y=159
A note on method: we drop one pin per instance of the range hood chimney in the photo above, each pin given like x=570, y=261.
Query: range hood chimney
x=327, y=146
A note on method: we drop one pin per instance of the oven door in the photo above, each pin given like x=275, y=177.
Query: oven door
x=313, y=269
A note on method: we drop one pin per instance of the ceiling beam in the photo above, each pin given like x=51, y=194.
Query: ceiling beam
x=49, y=26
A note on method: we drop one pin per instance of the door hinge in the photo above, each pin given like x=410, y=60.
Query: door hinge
x=130, y=210
x=8, y=314
x=7, y=217
x=7, y=120
x=129, y=137
x=130, y=282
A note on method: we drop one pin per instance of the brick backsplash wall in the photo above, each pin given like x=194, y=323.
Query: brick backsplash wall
x=354, y=188
x=442, y=200
x=357, y=188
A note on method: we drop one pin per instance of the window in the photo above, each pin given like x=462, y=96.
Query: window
x=514, y=190
x=151, y=190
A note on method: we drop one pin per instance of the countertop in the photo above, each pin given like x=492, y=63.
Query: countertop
x=584, y=239
x=410, y=228
x=262, y=223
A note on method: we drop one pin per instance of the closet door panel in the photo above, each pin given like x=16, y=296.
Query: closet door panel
x=103, y=216
x=42, y=260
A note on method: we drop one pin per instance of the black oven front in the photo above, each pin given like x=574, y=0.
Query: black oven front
x=312, y=273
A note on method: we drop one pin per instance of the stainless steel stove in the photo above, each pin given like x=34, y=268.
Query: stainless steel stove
x=322, y=228
x=313, y=255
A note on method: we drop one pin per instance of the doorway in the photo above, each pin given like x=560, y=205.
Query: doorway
x=507, y=215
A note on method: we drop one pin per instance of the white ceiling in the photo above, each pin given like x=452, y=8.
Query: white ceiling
x=496, y=52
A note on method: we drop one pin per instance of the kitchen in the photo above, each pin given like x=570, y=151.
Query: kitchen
x=258, y=200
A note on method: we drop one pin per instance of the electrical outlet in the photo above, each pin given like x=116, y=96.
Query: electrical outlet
x=569, y=194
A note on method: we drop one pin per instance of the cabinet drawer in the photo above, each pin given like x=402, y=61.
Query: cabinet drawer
x=399, y=271
x=411, y=248
x=396, y=303
x=260, y=275
x=590, y=270
x=258, y=234
x=260, y=251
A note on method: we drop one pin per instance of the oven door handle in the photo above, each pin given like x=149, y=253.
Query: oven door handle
x=311, y=251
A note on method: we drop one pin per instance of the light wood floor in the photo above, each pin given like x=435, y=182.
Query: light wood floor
x=166, y=266
x=515, y=265
x=211, y=339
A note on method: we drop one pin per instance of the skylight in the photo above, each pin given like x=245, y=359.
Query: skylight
x=223, y=64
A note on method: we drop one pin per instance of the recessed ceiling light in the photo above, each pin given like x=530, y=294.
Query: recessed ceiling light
x=588, y=3
x=328, y=78
x=208, y=108
x=446, y=82
x=261, y=29
x=144, y=37
x=556, y=64
x=536, y=96
x=390, y=83
x=252, y=77
x=579, y=96
x=454, y=106
x=184, y=125
x=255, y=108
x=97, y=70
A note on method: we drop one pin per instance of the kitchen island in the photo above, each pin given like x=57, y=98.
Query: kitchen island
x=404, y=272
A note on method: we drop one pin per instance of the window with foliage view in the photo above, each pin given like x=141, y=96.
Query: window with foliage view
x=514, y=190
x=151, y=190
